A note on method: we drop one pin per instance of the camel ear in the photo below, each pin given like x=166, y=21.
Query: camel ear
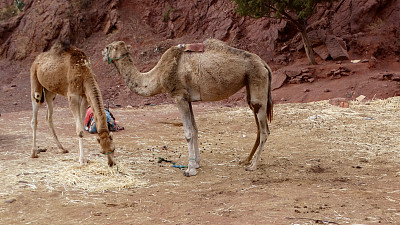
x=104, y=52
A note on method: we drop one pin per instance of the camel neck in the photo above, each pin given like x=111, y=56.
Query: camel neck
x=92, y=92
x=144, y=84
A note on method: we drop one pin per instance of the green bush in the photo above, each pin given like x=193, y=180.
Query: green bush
x=8, y=12
x=166, y=13
x=83, y=4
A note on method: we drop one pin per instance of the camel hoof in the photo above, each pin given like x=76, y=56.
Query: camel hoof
x=244, y=162
x=35, y=153
x=83, y=162
x=189, y=173
x=251, y=168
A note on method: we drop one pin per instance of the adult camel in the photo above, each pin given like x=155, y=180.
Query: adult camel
x=215, y=73
x=65, y=71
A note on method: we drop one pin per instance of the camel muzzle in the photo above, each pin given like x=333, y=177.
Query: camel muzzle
x=110, y=159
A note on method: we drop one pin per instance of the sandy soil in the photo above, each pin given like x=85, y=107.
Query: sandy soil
x=322, y=165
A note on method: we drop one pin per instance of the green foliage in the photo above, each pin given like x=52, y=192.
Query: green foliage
x=19, y=4
x=83, y=4
x=77, y=6
x=297, y=11
x=166, y=13
x=8, y=12
x=294, y=10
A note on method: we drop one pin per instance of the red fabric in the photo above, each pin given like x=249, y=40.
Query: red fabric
x=89, y=114
x=196, y=47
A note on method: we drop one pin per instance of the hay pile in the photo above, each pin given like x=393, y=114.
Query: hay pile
x=63, y=171
x=53, y=170
x=97, y=176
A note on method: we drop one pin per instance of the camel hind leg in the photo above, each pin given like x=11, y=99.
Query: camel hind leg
x=37, y=99
x=260, y=102
x=256, y=144
x=49, y=97
x=35, y=109
x=262, y=135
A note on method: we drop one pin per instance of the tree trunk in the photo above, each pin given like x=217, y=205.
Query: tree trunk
x=307, y=46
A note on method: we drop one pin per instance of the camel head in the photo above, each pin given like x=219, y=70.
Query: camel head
x=105, y=140
x=115, y=51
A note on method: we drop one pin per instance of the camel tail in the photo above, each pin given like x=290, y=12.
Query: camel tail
x=270, y=103
x=37, y=91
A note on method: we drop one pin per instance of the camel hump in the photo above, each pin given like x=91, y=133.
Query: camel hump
x=172, y=53
x=220, y=46
x=60, y=46
x=76, y=54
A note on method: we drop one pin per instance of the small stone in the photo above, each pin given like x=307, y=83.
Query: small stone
x=364, y=160
x=306, y=90
x=11, y=200
x=344, y=104
x=360, y=98
x=345, y=74
x=97, y=214
x=327, y=90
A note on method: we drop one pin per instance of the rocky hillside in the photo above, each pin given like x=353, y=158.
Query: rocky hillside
x=365, y=30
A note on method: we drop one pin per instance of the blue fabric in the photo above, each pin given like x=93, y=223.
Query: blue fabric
x=112, y=125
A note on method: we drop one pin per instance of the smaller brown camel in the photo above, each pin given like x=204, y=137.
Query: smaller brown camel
x=213, y=74
x=65, y=71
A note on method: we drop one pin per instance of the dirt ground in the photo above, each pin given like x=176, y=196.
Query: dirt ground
x=322, y=164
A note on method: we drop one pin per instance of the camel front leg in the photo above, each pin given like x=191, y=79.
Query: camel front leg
x=191, y=134
x=84, y=105
x=75, y=106
x=49, y=96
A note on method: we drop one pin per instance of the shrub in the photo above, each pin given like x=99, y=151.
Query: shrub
x=8, y=12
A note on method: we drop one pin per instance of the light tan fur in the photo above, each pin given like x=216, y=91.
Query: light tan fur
x=212, y=75
x=65, y=71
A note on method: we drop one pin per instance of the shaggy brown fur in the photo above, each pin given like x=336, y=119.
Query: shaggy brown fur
x=212, y=75
x=65, y=71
